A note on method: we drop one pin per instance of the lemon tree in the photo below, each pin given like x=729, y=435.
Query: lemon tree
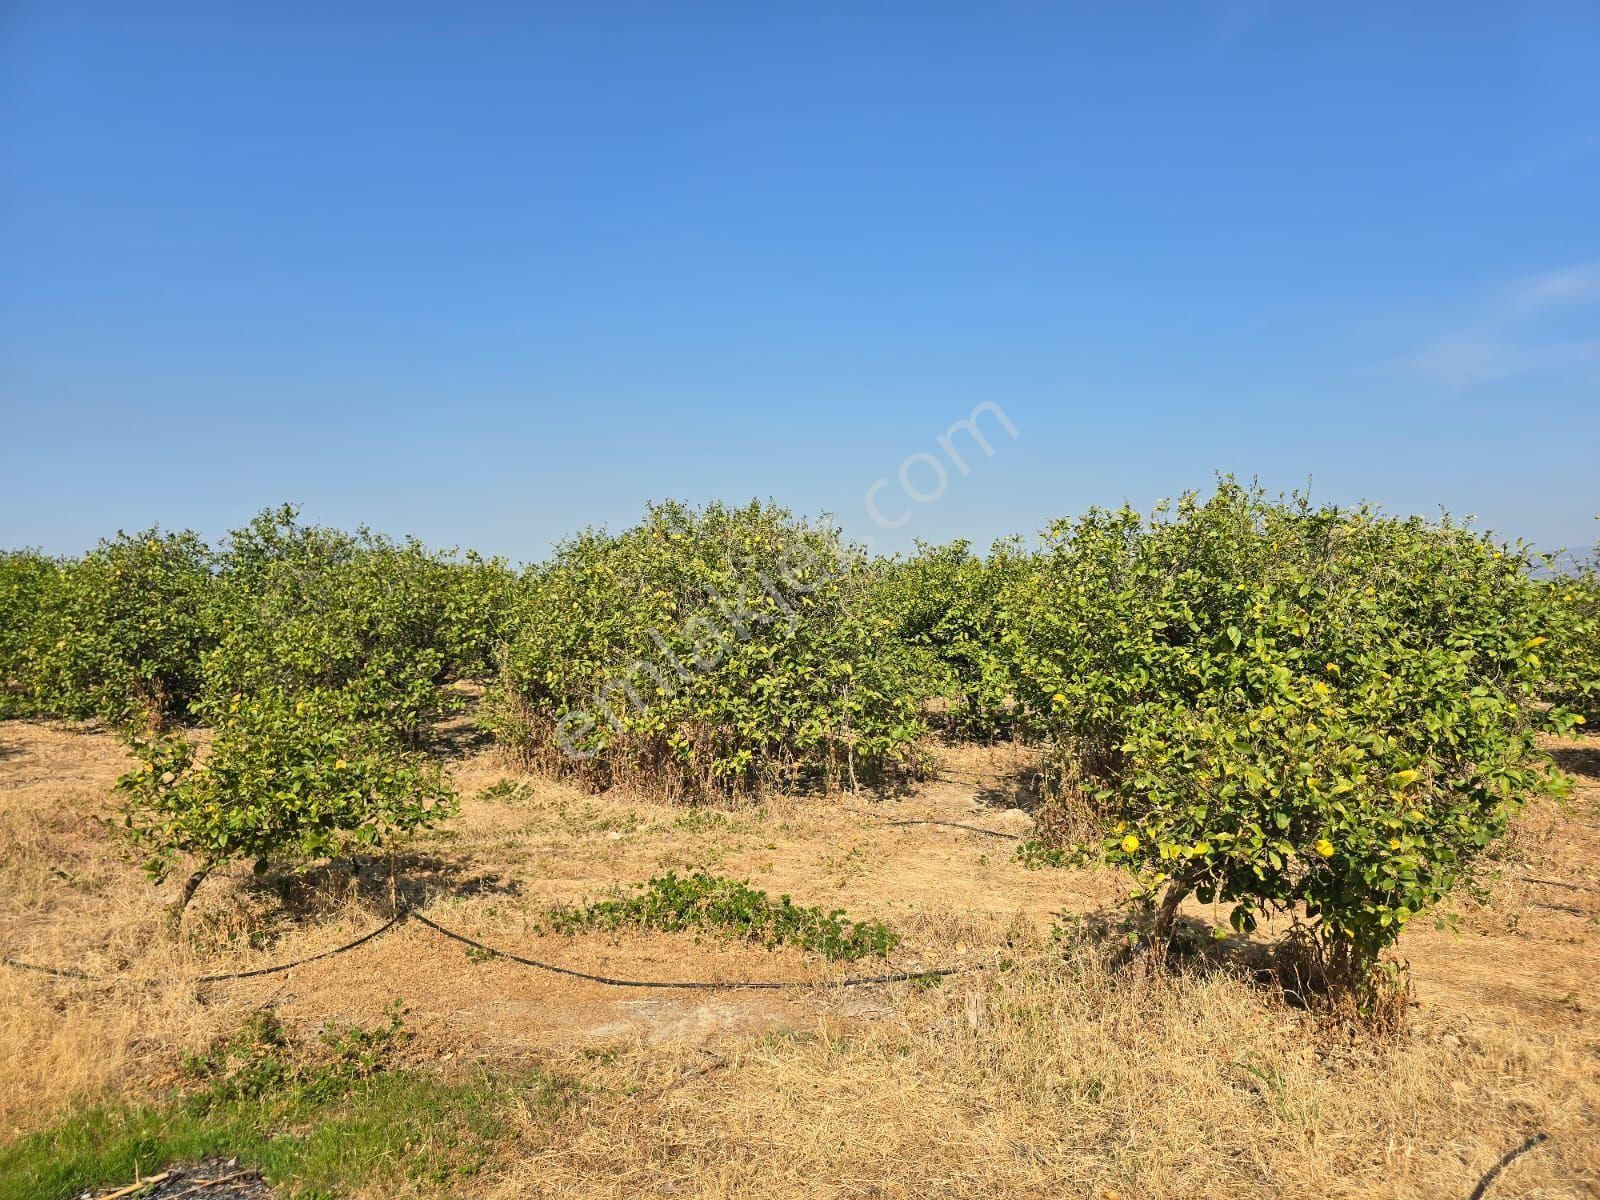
x=120, y=633
x=306, y=608
x=284, y=779
x=707, y=651
x=26, y=581
x=1287, y=707
x=1573, y=656
x=944, y=603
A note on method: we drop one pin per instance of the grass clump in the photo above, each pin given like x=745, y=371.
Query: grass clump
x=318, y=1120
x=702, y=901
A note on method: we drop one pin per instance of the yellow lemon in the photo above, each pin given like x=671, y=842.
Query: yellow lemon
x=1130, y=844
x=1324, y=847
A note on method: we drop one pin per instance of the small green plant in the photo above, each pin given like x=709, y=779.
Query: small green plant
x=702, y=901
x=259, y=1060
x=250, y=1063
x=507, y=791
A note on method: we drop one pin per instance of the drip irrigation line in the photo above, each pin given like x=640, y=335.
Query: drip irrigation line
x=403, y=914
x=53, y=972
x=68, y=973
x=695, y=984
x=1558, y=883
x=360, y=941
x=999, y=833
x=1506, y=1159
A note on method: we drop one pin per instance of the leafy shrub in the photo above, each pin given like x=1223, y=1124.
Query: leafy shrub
x=284, y=777
x=1572, y=659
x=711, y=902
x=27, y=579
x=386, y=623
x=479, y=596
x=121, y=633
x=1279, y=705
x=706, y=652
x=944, y=602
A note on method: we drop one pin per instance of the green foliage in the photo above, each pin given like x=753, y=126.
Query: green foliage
x=704, y=652
x=1572, y=659
x=1282, y=705
x=120, y=633
x=944, y=602
x=257, y=1063
x=27, y=582
x=318, y=1121
x=711, y=902
x=384, y=623
x=479, y=595
x=296, y=777
x=155, y=628
x=1273, y=705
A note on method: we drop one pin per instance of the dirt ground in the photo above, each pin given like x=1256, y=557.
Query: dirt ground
x=1039, y=1075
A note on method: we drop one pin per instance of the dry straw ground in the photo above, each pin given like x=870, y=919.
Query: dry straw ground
x=1044, y=1075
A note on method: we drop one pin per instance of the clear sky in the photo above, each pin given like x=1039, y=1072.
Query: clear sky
x=489, y=273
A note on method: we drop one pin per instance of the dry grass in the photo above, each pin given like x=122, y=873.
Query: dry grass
x=1056, y=1076
x=1059, y=1079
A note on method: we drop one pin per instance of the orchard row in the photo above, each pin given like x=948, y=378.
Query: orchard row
x=1255, y=700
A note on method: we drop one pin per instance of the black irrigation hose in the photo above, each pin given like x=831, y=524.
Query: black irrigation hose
x=54, y=972
x=65, y=973
x=360, y=941
x=999, y=833
x=1558, y=883
x=402, y=914
x=1506, y=1159
x=696, y=985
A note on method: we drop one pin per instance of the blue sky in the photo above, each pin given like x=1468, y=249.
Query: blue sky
x=490, y=273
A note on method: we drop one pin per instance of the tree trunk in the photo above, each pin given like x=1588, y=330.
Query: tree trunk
x=1176, y=891
x=190, y=887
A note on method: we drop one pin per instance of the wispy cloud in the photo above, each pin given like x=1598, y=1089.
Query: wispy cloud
x=1538, y=164
x=1512, y=337
x=1556, y=289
